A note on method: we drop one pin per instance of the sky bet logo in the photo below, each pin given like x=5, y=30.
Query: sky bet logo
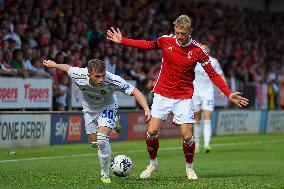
x=70, y=130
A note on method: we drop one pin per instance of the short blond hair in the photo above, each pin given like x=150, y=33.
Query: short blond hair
x=183, y=22
x=96, y=65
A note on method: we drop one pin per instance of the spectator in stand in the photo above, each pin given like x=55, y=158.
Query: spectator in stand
x=137, y=72
x=11, y=44
x=17, y=63
x=96, y=35
x=40, y=69
x=6, y=69
x=60, y=59
x=112, y=64
x=61, y=99
x=15, y=36
x=27, y=62
x=120, y=69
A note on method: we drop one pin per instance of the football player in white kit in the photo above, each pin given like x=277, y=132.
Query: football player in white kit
x=100, y=104
x=203, y=100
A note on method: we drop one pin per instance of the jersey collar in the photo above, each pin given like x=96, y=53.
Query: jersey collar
x=187, y=44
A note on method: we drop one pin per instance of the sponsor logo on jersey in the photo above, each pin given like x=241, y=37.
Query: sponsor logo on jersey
x=189, y=54
x=103, y=92
x=125, y=87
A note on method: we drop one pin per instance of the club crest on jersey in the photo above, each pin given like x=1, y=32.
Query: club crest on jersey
x=103, y=92
x=189, y=54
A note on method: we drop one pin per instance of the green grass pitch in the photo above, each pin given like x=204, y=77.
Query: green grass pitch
x=254, y=161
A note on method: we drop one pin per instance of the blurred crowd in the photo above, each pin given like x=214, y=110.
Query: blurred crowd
x=248, y=44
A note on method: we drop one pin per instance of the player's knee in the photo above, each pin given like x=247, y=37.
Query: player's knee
x=186, y=137
x=207, y=121
x=93, y=144
x=152, y=136
x=197, y=123
x=102, y=140
x=189, y=142
x=152, y=132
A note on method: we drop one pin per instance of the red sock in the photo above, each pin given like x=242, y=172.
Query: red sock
x=152, y=145
x=188, y=150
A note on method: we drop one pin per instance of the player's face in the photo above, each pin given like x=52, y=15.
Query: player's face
x=97, y=78
x=182, y=35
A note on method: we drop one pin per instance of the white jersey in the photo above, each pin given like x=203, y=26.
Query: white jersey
x=98, y=97
x=203, y=86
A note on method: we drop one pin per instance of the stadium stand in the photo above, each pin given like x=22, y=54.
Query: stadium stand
x=246, y=42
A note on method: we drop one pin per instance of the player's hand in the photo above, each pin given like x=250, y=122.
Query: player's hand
x=49, y=63
x=238, y=99
x=114, y=35
x=147, y=114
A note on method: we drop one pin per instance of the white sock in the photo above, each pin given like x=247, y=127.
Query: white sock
x=207, y=132
x=154, y=162
x=189, y=165
x=104, y=152
x=197, y=133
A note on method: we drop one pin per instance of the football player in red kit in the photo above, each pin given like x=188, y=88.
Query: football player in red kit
x=174, y=87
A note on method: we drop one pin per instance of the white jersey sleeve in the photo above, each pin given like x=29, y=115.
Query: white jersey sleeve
x=78, y=75
x=203, y=86
x=119, y=83
x=215, y=64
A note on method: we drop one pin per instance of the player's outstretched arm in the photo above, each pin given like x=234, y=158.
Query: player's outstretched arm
x=224, y=78
x=238, y=99
x=114, y=35
x=52, y=64
x=142, y=101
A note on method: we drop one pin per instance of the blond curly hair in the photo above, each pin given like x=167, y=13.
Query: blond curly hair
x=183, y=22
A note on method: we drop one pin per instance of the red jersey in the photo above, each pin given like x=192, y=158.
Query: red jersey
x=177, y=69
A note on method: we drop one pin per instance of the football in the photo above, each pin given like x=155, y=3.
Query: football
x=121, y=165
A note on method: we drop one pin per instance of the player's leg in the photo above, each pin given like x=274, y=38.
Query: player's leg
x=207, y=109
x=106, y=123
x=184, y=116
x=159, y=113
x=207, y=130
x=91, y=129
x=197, y=125
x=152, y=142
x=197, y=130
x=188, y=149
x=104, y=152
x=117, y=126
x=92, y=138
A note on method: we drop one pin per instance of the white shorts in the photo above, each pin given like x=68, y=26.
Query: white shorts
x=203, y=103
x=181, y=108
x=102, y=117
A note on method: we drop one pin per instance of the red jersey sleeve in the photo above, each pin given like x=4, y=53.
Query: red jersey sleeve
x=214, y=77
x=141, y=44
